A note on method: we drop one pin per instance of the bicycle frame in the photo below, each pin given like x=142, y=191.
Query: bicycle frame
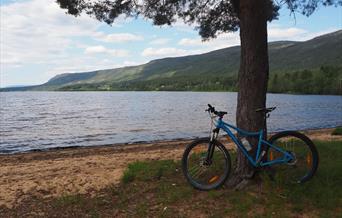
x=220, y=124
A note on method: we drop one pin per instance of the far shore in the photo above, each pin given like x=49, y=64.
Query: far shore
x=85, y=170
x=2, y=90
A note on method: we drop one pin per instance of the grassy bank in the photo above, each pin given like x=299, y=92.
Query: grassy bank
x=158, y=189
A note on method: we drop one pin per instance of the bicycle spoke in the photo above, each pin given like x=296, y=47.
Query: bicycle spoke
x=300, y=167
x=206, y=172
x=200, y=172
x=194, y=169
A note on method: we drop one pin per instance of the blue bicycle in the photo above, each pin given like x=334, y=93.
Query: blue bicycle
x=206, y=163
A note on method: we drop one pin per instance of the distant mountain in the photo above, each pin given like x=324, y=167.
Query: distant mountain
x=216, y=70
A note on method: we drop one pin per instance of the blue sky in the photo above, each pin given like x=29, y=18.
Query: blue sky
x=38, y=40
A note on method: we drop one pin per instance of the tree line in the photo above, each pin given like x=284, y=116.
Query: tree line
x=325, y=80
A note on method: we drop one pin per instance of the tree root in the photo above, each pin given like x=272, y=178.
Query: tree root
x=243, y=173
x=243, y=184
x=239, y=182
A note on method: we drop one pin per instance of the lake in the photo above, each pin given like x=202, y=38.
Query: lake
x=42, y=120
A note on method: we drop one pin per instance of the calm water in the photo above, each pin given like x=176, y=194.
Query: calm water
x=39, y=120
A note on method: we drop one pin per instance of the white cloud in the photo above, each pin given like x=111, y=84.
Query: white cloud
x=37, y=35
x=99, y=49
x=95, y=49
x=164, y=52
x=310, y=35
x=181, y=26
x=191, y=42
x=119, y=37
x=275, y=33
x=39, y=31
x=133, y=63
x=222, y=41
x=285, y=33
x=160, y=41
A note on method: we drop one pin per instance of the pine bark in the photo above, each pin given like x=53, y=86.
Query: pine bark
x=252, y=77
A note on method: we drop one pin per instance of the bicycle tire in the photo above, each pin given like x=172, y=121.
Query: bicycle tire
x=307, y=142
x=222, y=178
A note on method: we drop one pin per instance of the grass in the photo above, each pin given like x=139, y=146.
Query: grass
x=147, y=171
x=158, y=189
x=337, y=131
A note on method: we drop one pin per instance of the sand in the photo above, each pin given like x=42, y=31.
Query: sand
x=61, y=172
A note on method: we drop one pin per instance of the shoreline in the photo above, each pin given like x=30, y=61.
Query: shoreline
x=140, y=143
x=276, y=93
x=85, y=170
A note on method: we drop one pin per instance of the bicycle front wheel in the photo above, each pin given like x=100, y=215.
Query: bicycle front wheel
x=305, y=162
x=201, y=173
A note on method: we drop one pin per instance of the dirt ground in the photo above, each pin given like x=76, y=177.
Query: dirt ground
x=60, y=172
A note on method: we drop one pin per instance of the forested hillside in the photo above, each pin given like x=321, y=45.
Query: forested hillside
x=310, y=67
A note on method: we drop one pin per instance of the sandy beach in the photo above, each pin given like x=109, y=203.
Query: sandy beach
x=83, y=170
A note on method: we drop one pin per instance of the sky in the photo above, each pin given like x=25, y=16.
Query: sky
x=38, y=40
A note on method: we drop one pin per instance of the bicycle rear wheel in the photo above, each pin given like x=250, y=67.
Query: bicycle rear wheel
x=305, y=162
x=201, y=174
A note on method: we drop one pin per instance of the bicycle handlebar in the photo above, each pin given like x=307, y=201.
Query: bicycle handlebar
x=211, y=109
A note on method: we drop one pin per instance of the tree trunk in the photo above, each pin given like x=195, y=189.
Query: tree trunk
x=252, y=78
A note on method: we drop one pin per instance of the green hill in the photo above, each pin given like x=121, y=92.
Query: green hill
x=298, y=63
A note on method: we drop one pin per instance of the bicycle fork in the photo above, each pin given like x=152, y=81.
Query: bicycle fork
x=211, y=146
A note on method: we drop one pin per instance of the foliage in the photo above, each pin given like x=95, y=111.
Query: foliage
x=326, y=80
x=210, y=17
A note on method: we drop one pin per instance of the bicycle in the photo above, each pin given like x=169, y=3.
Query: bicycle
x=206, y=163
